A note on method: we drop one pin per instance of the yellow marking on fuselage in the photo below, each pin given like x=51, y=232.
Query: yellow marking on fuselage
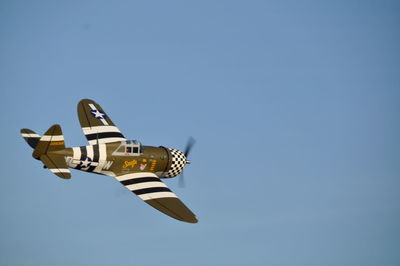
x=129, y=164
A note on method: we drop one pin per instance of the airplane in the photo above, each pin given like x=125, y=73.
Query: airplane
x=139, y=168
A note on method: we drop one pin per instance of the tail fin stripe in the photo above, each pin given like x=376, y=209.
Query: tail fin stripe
x=52, y=138
x=60, y=170
x=27, y=135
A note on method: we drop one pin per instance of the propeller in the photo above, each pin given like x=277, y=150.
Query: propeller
x=181, y=180
x=189, y=145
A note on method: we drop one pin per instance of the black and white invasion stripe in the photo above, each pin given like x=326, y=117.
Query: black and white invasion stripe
x=104, y=134
x=146, y=186
x=79, y=154
x=95, y=154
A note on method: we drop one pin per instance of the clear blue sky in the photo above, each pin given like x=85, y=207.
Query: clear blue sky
x=294, y=105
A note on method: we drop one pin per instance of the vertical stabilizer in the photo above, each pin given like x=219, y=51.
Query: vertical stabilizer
x=52, y=140
x=46, y=151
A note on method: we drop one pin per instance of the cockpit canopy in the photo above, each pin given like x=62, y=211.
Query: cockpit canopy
x=129, y=147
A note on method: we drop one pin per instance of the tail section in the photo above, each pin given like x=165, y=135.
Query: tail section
x=46, y=150
x=30, y=137
x=51, y=141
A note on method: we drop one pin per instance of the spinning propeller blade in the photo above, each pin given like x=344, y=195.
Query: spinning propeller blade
x=189, y=146
x=181, y=180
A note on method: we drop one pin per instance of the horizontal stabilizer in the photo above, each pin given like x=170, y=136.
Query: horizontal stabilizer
x=57, y=165
x=30, y=137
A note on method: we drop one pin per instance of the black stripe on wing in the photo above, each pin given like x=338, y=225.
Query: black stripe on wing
x=140, y=180
x=151, y=190
x=104, y=135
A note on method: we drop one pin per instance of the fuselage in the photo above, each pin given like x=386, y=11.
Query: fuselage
x=117, y=159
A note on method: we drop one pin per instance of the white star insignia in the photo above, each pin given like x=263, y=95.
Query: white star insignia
x=86, y=163
x=97, y=114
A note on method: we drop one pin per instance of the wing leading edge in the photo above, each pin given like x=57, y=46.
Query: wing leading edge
x=148, y=187
x=96, y=124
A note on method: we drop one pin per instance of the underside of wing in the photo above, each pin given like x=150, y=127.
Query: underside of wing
x=148, y=187
x=96, y=124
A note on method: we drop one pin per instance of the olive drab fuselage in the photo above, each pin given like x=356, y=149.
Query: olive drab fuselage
x=150, y=159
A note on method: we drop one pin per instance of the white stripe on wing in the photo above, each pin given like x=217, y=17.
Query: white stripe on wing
x=157, y=195
x=145, y=185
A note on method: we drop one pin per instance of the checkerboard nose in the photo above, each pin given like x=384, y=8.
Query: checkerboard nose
x=178, y=162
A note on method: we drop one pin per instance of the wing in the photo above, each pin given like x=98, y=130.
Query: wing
x=96, y=124
x=148, y=187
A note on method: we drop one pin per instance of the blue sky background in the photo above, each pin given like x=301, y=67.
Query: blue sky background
x=294, y=105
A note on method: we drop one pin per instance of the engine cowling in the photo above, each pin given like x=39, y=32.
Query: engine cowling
x=177, y=163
